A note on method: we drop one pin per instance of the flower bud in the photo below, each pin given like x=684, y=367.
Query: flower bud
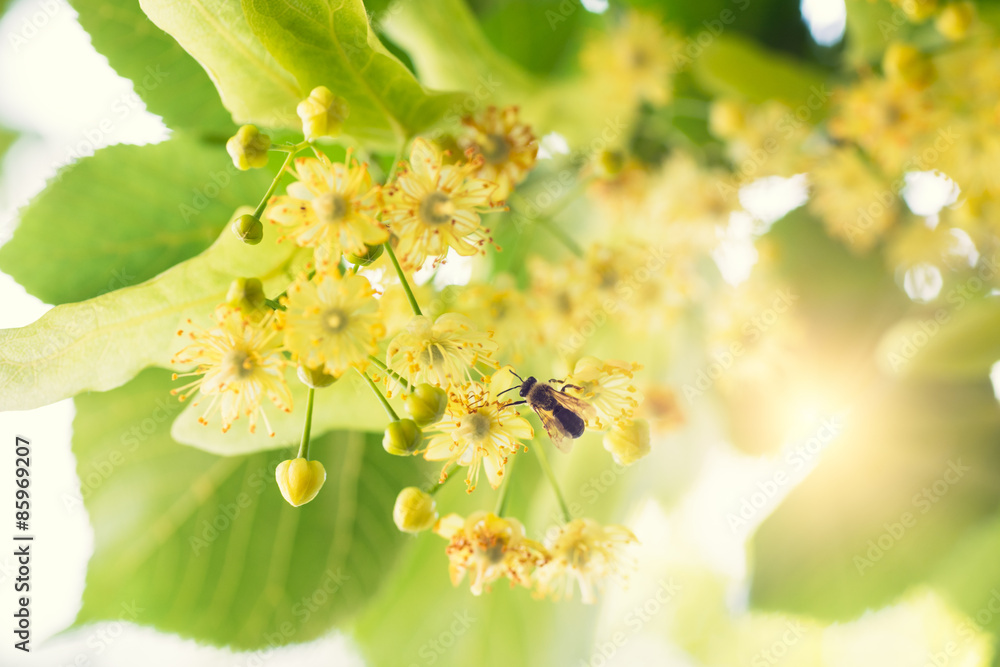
x=322, y=113
x=610, y=162
x=315, y=378
x=246, y=295
x=908, y=65
x=917, y=11
x=628, y=443
x=415, y=510
x=402, y=437
x=248, y=229
x=248, y=148
x=300, y=480
x=726, y=119
x=955, y=20
x=374, y=252
x=426, y=404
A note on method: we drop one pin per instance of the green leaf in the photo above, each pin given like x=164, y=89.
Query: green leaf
x=349, y=404
x=171, y=83
x=103, y=342
x=125, y=214
x=206, y=547
x=733, y=65
x=954, y=343
x=332, y=45
x=253, y=86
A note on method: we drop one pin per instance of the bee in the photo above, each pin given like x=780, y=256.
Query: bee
x=563, y=416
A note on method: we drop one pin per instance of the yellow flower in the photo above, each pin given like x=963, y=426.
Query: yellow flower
x=607, y=385
x=239, y=364
x=300, y=480
x=628, y=442
x=433, y=206
x=502, y=307
x=917, y=11
x=332, y=322
x=332, y=207
x=489, y=548
x=508, y=148
x=856, y=204
x=479, y=426
x=439, y=352
x=638, y=59
x=585, y=553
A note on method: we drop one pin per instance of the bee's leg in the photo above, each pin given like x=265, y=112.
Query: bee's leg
x=516, y=403
x=571, y=386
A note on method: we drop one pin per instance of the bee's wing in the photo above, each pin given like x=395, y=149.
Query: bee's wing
x=579, y=406
x=560, y=438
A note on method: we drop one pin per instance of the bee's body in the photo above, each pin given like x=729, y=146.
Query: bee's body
x=563, y=416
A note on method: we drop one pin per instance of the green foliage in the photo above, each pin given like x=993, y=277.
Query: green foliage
x=171, y=83
x=733, y=65
x=253, y=86
x=116, y=231
x=332, y=45
x=103, y=342
x=348, y=404
x=206, y=546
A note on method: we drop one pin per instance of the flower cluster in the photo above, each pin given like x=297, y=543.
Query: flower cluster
x=445, y=377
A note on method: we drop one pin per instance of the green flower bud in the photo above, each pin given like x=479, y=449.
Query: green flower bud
x=316, y=378
x=248, y=148
x=322, y=113
x=249, y=229
x=374, y=252
x=300, y=480
x=426, y=404
x=629, y=442
x=610, y=162
x=246, y=294
x=415, y=511
x=402, y=437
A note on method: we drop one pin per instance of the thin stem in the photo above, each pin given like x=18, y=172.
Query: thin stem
x=543, y=461
x=388, y=371
x=504, y=490
x=274, y=184
x=442, y=480
x=402, y=279
x=381, y=399
x=304, y=445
